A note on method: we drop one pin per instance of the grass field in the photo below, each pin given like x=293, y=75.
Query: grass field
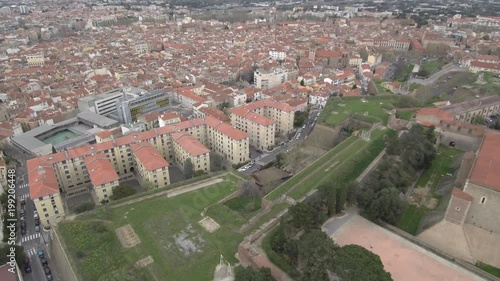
x=488, y=268
x=380, y=88
x=282, y=189
x=414, y=86
x=346, y=166
x=492, y=83
x=411, y=217
x=440, y=166
x=169, y=232
x=339, y=109
x=405, y=115
x=431, y=66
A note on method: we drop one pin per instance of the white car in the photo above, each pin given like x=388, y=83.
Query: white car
x=298, y=137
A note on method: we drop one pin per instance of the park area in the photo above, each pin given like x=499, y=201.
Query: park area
x=370, y=109
x=427, y=194
x=163, y=238
x=428, y=68
x=342, y=164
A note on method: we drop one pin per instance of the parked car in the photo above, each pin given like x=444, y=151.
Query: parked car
x=37, y=221
x=37, y=228
x=23, y=202
x=44, y=261
x=27, y=268
x=46, y=269
x=26, y=260
x=41, y=254
x=49, y=277
x=22, y=213
x=23, y=230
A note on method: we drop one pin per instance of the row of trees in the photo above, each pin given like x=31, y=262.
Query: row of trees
x=301, y=243
x=381, y=198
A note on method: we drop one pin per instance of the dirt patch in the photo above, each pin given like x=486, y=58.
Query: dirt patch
x=422, y=197
x=127, y=236
x=144, y=262
x=188, y=242
x=209, y=224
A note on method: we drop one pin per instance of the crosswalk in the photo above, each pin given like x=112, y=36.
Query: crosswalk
x=24, y=196
x=22, y=186
x=30, y=237
x=31, y=252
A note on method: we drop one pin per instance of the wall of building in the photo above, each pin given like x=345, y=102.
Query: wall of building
x=64, y=269
x=50, y=209
x=105, y=191
x=462, y=142
x=483, y=215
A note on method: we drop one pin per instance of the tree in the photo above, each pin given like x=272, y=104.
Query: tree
x=216, y=162
x=302, y=82
x=248, y=189
x=478, y=120
x=497, y=125
x=355, y=263
x=386, y=205
x=316, y=255
x=364, y=54
x=280, y=160
x=302, y=216
x=248, y=274
x=87, y=206
x=486, y=37
x=352, y=191
x=122, y=191
x=188, y=168
x=19, y=252
x=340, y=195
x=354, y=86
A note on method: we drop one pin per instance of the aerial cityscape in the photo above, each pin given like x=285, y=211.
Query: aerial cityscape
x=236, y=140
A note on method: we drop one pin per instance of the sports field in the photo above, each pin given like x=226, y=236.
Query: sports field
x=164, y=230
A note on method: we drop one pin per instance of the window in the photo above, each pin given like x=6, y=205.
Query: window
x=457, y=208
x=56, y=211
x=45, y=209
x=483, y=200
x=46, y=215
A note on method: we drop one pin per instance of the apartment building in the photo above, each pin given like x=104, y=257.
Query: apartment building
x=467, y=110
x=396, y=44
x=129, y=108
x=44, y=191
x=73, y=171
x=270, y=78
x=188, y=147
x=151, y=165
x=169, y=118
x=35, y=60
x=262, y=120
x=102, y=176
x=478, y=66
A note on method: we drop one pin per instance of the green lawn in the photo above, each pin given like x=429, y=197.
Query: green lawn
x=380, y=88
x=280, y=190
x=410, y=220
x=493, y=83
x=339, y=109
x=169, y=232
x=431, y=66
x=346, y=166
x=414, y=86
x=489, y=268
x=405, y=115
x=440, y=166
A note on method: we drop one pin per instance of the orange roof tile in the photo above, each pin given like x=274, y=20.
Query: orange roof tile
x=190, y=144
x=457, y=192
x=485, y=171
x=100, y=169
x=150, y=158
x=104, y=134
x=42, y=178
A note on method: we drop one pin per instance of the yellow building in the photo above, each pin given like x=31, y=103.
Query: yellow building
x=188, y=147
x=70, y=171
x=44, y=191
x=102, y=175
x=151, y=166
x=263, y=120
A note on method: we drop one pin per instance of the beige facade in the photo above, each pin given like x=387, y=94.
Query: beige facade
x=35, y=60
x=145, y=153
x=187, y=147
x=260, y=128
x=484, y=211
x=50, y=209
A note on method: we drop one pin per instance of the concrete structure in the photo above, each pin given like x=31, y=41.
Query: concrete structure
x=85, y=125
x=270, y=78
x=71, y=171
x=463, y=136
x=374, y=59
x=128, y=109
x=277, y=54
x=471, y=227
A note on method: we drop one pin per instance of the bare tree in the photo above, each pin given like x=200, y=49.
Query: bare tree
x=249, y=189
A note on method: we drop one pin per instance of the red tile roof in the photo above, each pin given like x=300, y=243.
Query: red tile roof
x=42, y=178
x=486, y=171
x=190, y=144
x=150, y=158
x=100, y=170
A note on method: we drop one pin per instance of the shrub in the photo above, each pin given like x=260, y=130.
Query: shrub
x=87, y=206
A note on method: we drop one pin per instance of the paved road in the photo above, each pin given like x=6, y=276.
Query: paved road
x=32, y=241
x=437, y=75
x=301, y=134
x=333, y=224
